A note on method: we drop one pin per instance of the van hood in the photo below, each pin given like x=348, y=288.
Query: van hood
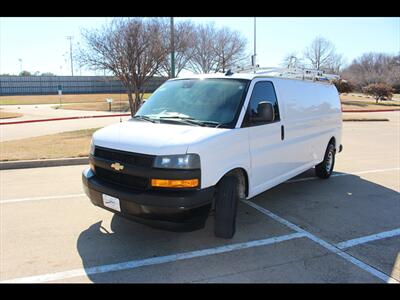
x=153, y=138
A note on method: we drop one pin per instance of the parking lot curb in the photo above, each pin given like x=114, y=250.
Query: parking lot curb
x=41, y=163
x=365, y=119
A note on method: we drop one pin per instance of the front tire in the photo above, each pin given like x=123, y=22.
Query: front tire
x=226, y=200
x=325, y=168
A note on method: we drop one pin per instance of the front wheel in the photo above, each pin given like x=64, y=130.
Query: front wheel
x=226, y=200
x=325, y=168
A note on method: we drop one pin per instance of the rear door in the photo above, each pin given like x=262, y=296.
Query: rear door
x=266, y=140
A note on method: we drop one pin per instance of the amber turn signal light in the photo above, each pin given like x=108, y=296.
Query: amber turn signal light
x=172, y=183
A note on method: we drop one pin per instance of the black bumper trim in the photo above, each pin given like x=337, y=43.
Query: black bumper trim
x=172, y=210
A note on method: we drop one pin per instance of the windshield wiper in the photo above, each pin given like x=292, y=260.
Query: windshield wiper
x=194, y=121
x=215, y=124
x=144, y=118
x=183, y=120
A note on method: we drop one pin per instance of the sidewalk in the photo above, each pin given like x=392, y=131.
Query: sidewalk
x=45, y=111
x=21, y=131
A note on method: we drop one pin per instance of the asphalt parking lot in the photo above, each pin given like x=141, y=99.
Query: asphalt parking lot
x=307, y=230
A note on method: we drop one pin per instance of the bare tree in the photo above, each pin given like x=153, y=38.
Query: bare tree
x=184, y=48
x=216, y=50
x=204, y=59
x=229, y=48
x=292, y=60
x=132, y=49
x=321, y=54
x=336, y=64
x=374, y=68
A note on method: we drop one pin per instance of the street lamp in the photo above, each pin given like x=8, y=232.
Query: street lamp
x=172, y=49
x=70, y=51
x=253, y=58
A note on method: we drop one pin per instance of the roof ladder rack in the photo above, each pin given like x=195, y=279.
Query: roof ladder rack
x=295, y=73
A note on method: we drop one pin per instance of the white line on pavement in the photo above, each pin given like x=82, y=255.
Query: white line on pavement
x=40, y=198
x=344, y=174
x=152, y=261
x=326, y=245
x=369, y=238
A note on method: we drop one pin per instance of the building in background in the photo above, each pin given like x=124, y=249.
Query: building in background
x=49, y=85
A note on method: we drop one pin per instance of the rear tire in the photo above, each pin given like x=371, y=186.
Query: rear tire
x=325, y=168
x=226, y=200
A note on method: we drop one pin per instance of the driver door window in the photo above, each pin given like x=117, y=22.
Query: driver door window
x=262, y=91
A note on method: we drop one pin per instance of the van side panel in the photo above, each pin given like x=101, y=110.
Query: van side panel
x=312, y=116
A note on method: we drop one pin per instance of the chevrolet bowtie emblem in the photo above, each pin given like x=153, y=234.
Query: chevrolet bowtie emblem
x=117, y=166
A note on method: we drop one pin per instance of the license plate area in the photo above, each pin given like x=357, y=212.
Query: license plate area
x=111, y=202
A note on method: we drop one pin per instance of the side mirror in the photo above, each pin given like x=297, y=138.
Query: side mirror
x=265, y=113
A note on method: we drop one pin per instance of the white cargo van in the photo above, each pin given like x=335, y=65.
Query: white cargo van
x=204, y=142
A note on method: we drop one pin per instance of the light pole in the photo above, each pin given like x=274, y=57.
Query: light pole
x=70, y=51
x=80, y=66
x=20, y=65
x=172, y=49
x=253, y=58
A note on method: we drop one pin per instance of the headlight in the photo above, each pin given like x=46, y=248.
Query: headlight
x=184, y=161
x=91, y=151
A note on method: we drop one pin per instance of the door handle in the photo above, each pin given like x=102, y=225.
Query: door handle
x=282, y=132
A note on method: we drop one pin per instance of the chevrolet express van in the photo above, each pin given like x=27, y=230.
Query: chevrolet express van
x=204, y=142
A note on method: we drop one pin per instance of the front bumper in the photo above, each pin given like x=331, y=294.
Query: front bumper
x=171, y=210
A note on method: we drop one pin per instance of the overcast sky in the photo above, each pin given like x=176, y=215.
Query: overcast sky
x=42, y=45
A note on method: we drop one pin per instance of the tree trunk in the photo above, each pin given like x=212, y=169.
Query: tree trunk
x=137, y=100
x=131, y=103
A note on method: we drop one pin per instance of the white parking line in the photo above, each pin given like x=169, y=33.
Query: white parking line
x=344, y=174
x=40, y=198
x=369, y=238
x=152, y=261
x=326, y=245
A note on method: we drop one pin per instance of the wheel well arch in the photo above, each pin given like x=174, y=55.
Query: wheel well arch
x=243, y=177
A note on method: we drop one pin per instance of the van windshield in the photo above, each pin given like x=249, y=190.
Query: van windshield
x=204, y=102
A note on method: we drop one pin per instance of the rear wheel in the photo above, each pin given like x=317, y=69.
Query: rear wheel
x=325, y=168
x=226, y=200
